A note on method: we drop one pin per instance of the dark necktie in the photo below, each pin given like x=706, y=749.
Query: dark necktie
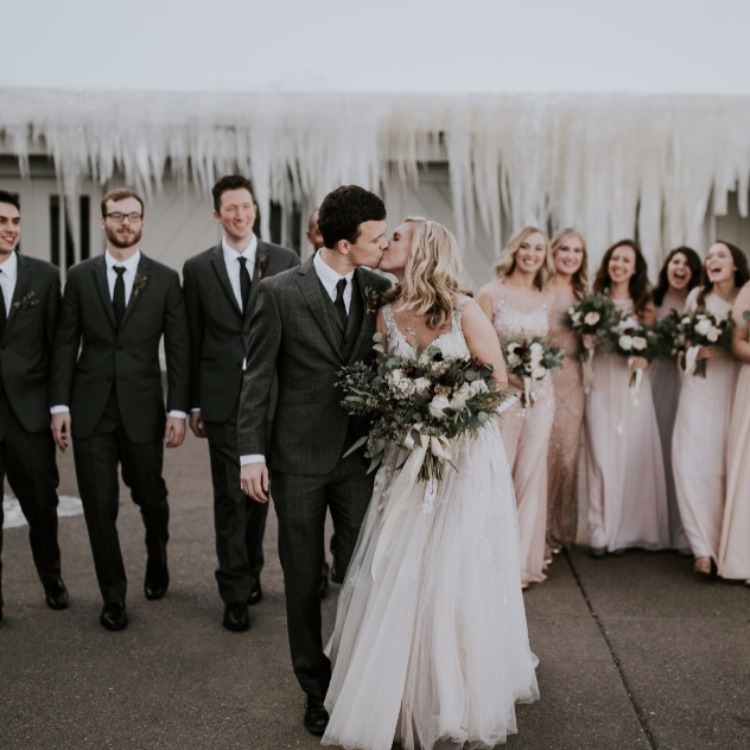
x=339, y=303
x=2, y=310
x=118, y=298
x=244, y=282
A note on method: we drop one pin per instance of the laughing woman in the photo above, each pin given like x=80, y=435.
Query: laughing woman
x=701, y=429
x=518, y=302
x=569, y=285
x=734, y=547
x=680, y=273
x=627, y=490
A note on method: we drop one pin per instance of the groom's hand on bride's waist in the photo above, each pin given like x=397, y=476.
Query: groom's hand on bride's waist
x=254, y=481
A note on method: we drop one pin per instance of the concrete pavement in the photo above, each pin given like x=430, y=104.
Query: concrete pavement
x=635, y=652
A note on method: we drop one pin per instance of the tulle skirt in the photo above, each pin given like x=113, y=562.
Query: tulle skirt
x=431, y=643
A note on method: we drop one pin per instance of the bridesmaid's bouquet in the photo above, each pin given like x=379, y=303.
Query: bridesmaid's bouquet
x=669, y=336
x=421, y=402
x=531, y=359
x=631, y=339
x=699, y=329
x=596, y=316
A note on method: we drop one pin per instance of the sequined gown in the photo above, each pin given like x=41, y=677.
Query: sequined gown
x=521, y=314
x=624, y=466
x=430, y=644
x=665, y=388
x=699, y=445
x=565, y=438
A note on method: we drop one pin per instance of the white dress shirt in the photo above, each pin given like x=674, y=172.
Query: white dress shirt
x=329, y=278
x=8, y=278
x=232, y=262
x=131, y=268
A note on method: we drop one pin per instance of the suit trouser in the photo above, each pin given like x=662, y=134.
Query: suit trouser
x=240, y=522
x=96, y=459
x=301, y=502
x=28, y=459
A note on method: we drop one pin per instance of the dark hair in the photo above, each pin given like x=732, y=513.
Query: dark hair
x=344, y=209
x=637, y=287
x=6, y=197
x=120, y=194
x=741, y=274
x=694, y=264
x=230, y=182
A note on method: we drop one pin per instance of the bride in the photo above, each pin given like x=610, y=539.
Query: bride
x=431, y=645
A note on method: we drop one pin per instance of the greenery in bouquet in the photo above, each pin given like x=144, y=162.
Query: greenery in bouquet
x=669, y=336
x=703, y=328
x=531, y=359
x=595, y=315
x=419, y=402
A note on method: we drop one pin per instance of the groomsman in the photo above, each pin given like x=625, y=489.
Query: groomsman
x=221, y=286
x=29, y=306
x=109, y=397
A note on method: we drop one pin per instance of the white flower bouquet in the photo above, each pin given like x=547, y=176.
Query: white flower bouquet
x=700, y=329
x=531, y=359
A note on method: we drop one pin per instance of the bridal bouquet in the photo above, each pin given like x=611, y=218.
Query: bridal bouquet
x=595, y=315
x=531, y=359
x=420, y=402
x=699, y=329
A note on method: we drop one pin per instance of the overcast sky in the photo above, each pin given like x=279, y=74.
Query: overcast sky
x=442, y=46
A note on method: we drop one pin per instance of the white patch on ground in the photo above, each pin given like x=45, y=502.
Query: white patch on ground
x=13, y=517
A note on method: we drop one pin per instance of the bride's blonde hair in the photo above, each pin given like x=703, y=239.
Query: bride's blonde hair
x=432, y=273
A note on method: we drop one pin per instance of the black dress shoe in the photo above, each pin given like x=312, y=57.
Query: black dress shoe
x=55, y=594
x=324, y=573
x=236, y=617
x=316, y=716
x=156, y=584
x=113, y=616
x=256, y=592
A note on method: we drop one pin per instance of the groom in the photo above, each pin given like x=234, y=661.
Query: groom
x=308, y=323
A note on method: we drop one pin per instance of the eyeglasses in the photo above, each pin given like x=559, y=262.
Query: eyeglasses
x=119, y=217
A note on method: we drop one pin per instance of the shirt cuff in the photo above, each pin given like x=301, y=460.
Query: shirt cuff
x=177, y=414
x=252, y=458
x=195, y=409
x=60, y=409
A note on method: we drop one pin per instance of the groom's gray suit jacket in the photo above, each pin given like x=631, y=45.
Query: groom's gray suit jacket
x=293, y=335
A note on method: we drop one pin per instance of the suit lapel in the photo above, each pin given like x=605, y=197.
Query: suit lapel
x=220, y=269
x=139, y=287
x=100, y=278
x=262, y=260
x=23, y=281
x=312, y=290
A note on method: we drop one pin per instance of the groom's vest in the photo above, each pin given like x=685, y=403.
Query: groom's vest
x=346, y=336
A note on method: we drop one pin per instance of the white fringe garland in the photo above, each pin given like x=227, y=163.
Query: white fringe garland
x=604, y=164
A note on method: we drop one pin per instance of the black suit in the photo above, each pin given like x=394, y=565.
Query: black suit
x=296, y=333
x=113, y=387
x=27, y=452
x=218, y=333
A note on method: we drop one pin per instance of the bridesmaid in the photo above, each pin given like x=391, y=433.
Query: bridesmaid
x=627, y=489
x=680, y=273
x=569, y=285
x=518, y=302
x=701, y=429
x=734, y=546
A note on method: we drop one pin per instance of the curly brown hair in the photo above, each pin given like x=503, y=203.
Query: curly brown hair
x=638, y=286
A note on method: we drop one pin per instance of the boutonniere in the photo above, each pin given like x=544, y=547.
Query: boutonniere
x=28, y=300
x=139, y=284
x=261, y=263
x=373, y=299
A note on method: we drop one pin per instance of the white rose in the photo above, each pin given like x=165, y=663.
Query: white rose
x=625, y=342
x=438, y=405
x=639, y=343
x=592, y=318
x=713, y=335
x=513, y=360
x=422, y=385
x=477, y=387
x=703, y=327
x=536, y=349
x=457, y=402
x=538, y=372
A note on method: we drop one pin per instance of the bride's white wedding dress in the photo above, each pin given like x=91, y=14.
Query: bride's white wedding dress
x=431, y=643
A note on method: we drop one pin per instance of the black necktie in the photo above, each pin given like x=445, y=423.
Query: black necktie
x=339, y=303
x=244, y=282
x=2, y=310
x=118, y=298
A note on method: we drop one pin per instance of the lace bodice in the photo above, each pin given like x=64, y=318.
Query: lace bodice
x=520, y=313
x=451, y=343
